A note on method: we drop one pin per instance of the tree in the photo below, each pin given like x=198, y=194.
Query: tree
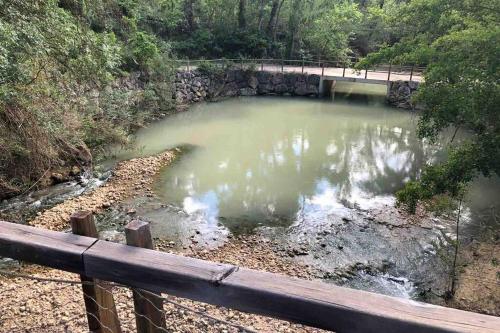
x=260, y=15
x=459, y=41
x=189, y=14
x=330, y=33
x=242, y=23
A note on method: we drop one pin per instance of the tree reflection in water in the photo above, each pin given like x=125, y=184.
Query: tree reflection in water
x=267, y=161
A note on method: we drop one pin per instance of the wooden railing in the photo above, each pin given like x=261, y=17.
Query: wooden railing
x=311, y=303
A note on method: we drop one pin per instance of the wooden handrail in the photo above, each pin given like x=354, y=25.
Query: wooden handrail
x=311, y=303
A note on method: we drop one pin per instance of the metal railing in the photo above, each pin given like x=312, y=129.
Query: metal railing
x=335, y=68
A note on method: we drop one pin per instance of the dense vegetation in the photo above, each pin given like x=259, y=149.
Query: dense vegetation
x=460, y=42
x=77, y=74
x=61, y=70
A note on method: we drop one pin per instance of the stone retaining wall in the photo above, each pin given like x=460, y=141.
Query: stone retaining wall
x=400, y=93
x=195, y=86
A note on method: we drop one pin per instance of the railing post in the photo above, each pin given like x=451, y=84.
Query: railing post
x=261, y=65
x=411, y=73
x=282, y=64
x=149, y=308
x=302, y=65
x=343, y=71
x=366, y=72
x=99, y=303
x=389, y=75
x=322, y=69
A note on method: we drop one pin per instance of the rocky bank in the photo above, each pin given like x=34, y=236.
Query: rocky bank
x=400, y=94
x=32, y=306
x=196, y=86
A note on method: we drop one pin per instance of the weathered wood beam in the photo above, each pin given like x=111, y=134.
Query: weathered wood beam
x=100, y=305
x=154, y=270
x=44, y=247
x=148, y=306
x=312, y=303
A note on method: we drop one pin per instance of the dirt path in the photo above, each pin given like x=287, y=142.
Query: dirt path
x=478, y=287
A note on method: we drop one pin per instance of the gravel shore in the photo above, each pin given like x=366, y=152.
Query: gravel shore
x=32, y=306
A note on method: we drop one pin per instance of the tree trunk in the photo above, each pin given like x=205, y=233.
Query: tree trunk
x=294, y=23
x=242, y=23
x=272, y=17
x=261, y=15
x=276, y=20
x=189, y=14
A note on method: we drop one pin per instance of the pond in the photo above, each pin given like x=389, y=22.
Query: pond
x=317, y=177
x=264, y=161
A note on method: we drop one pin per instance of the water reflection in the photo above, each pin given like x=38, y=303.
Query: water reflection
x=266, y=161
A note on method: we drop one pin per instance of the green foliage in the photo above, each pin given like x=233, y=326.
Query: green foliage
x=143, y=47
x=277, y=28
x=441, y=204
x=459, y=41
x=330, y=33
x=410, y=195
x=62, y=84
x=217, y=69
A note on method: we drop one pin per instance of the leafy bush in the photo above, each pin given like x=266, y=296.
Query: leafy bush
x=409, y=196
x=143, y=48
x=62, y=89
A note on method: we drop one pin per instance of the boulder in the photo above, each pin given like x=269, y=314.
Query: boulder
x=248, y=92
x=58, y=178
x=278, y=78
x=300, y=88
x=400, y=94
x=281, y=88
x=7, y=190
x=264, y=77
x=230, y=89
x=265, y=88
x=253, y=82
x=290, y=79
x=313, y=79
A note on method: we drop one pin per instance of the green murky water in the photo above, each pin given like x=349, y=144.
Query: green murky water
x=264, y=160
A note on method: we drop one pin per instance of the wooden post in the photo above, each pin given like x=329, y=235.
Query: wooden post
x=322, y=69
x=261, y=65
x=343, y=71
x=302, y=65
x=366, y=72
x=99, y=302
x=411, y=73
x=282, y=64
x=149, y=308
x=389, y=75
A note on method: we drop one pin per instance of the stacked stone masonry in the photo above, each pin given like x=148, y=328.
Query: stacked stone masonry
x=194, y=86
